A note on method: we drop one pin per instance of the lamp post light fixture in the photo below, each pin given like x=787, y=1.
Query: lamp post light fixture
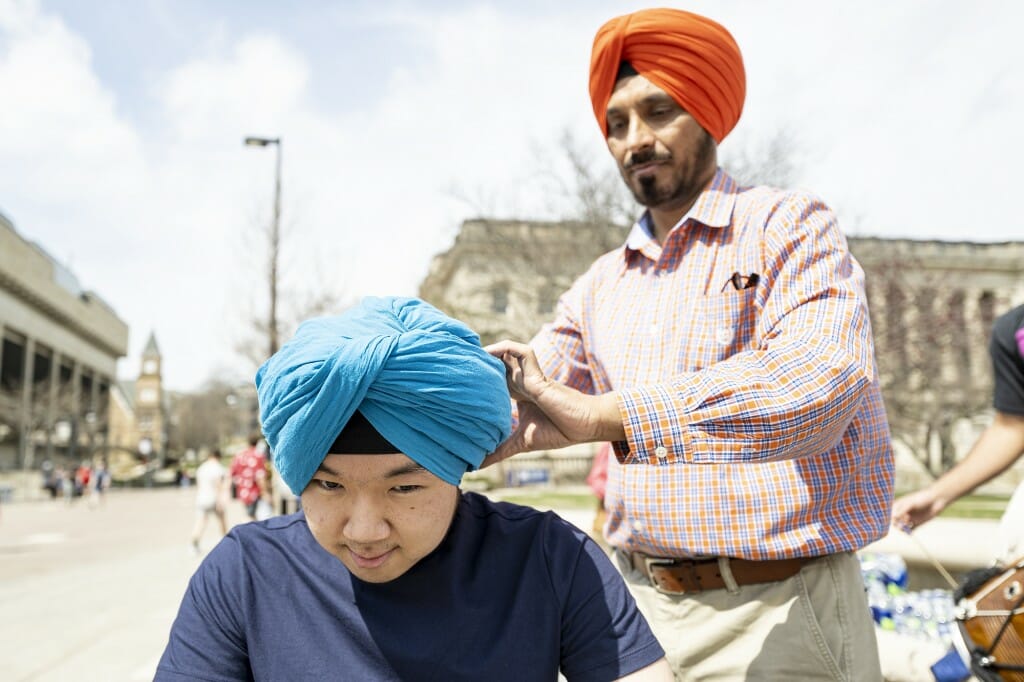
x=275, y=238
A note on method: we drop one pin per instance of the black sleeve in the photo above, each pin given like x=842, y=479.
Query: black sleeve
x=1007, y=363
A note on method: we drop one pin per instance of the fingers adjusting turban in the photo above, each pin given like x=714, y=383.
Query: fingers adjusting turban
x=692, y=58
x=419, y=377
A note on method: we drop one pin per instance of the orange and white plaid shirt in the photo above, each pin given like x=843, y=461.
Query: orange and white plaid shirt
x=753, y=415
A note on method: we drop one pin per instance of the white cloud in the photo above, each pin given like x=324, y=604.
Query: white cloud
x=906, y=118
x=61, y=130
x=260, y=84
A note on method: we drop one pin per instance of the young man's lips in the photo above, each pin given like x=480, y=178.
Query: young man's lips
x=369, y=561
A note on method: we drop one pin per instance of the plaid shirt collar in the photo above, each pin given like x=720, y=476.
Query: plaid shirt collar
x=713, y=208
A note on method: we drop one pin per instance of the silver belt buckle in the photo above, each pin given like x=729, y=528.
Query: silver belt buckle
x=649, y=563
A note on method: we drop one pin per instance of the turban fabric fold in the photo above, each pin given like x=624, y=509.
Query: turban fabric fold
x=418, y=376
x=692, y=58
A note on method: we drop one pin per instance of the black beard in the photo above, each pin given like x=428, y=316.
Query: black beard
x=648, y=193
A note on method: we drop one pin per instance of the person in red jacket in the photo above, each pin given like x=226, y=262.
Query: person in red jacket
x=249, y=477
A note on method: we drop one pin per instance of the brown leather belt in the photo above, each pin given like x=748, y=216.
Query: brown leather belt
x=686, y=576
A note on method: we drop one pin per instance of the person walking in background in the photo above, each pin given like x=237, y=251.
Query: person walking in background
x=998, y=447
x=99, y=482
x=726, y=351
x=390, y=571
x=65, y=483
x=83, y=475
x=249, y=476
x=212, y=488
x=597, y=481
x=285, y=501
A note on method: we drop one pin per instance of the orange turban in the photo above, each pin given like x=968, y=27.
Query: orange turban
x=692, y=58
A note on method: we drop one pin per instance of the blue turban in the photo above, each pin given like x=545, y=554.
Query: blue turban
x=418, y=376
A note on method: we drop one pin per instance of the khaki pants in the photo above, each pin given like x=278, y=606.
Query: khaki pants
x=813, y=626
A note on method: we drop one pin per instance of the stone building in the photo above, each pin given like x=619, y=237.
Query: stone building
x=932, y=305
x=932, y=308
x=60, y=345
x=504, y=277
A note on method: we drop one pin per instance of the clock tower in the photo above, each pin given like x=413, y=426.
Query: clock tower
x=149, y=402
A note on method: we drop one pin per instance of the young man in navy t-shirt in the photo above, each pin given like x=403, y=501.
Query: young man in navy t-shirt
x=390, y=572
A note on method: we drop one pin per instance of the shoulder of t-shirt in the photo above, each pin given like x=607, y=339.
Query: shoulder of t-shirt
x=256, y=542
x=255, y=532
x=250, y=539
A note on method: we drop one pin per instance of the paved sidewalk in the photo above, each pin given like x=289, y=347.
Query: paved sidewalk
x=90, y=593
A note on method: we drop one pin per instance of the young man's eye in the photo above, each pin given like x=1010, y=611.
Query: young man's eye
x=407, y=488
x=328, y=485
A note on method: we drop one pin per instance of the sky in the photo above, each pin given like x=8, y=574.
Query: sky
x=122, y=127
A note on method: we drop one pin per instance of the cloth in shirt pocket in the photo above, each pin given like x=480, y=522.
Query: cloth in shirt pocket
x=726, y=324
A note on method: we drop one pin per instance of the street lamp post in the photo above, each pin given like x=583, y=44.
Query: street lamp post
x=275, y=237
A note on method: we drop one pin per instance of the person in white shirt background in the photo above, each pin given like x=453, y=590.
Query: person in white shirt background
x=211, y=496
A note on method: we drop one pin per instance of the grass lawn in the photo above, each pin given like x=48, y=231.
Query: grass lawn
x=977, y=507
x=547, y=498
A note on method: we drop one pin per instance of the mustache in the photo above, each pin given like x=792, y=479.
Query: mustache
x=645, y=156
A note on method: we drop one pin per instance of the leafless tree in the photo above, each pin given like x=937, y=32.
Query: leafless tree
x=594, y=192
x=771, y=160
x=597, y=195
x=204, y=418
x=930, y=346
x=281, y=252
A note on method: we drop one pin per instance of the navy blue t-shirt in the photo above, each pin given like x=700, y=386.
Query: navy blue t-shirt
x=510, y=594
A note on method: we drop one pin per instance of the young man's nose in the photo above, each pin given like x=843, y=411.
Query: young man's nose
x=366, y=524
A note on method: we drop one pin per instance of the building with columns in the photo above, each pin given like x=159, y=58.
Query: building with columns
x=58, y=357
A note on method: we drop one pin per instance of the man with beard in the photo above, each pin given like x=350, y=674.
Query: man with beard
x=726, y=351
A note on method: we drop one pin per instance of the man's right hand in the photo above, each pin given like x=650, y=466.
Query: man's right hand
x=535, y=431
x=910, y=511
x=551, y=415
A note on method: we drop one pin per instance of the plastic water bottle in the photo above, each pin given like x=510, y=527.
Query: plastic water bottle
x=880, y=602
x=894, y=569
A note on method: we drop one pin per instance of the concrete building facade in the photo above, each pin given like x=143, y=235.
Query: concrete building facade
x=58, y=357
